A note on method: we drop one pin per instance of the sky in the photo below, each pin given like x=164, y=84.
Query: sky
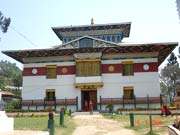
x=31, y=21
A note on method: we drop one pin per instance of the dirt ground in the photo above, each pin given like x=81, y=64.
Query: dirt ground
x=98, y=125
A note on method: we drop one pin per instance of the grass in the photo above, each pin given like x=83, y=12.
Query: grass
x=40, y=123
x=30, y=123
x=142, y=128
x=67, y=129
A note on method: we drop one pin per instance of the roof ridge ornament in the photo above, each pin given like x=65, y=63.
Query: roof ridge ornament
x=92, y=21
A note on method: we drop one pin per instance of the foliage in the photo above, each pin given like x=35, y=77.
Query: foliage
x=4, y=23
x=10, y=75
x=12, y=104
x=2, y=82
x=165, y=92
x=169, y=78
x=172, y=60
x=110, y=107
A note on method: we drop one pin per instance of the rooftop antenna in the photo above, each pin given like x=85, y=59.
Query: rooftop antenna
x=92, y=21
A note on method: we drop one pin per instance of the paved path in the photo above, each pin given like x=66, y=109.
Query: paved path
x=98, y=125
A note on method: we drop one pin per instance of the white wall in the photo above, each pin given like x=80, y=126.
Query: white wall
x=34, y=87
x=143, y=83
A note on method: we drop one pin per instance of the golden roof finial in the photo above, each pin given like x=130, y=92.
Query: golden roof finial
x=92, y=21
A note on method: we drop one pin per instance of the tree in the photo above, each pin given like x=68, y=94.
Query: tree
x=17, y=81
x=4, y=23
x=170, y=77
x=10, y=75
x=172, y=60
x=164, y=91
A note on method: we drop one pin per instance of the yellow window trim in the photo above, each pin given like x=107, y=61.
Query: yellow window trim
x=127, y=62
x=50, y=90
x=95, y=60
x=51, y=66
x=88, y=84
x=129, y=87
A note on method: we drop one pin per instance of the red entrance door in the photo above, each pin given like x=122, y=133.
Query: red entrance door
x=93, y=98
x=86, y=96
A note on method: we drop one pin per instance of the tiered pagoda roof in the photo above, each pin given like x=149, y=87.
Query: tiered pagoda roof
x=90, y=39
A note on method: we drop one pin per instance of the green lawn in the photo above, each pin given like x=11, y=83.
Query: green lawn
x=141, y=127
x=141, y=123
x=30, y=123
x=40, y=123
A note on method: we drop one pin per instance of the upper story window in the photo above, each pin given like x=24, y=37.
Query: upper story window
x=51, y=72
x=85, y=68
x=108, y=38
x=86, y=43
x=104, y=38
x=64, y=40
x=118, y=38
x=113, y=38
x=127, y=68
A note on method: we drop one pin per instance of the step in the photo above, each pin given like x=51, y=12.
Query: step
x=85, y=113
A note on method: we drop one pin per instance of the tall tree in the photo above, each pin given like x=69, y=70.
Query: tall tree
x=172, y=60
x=170, y=77
x=164, y=92
x=4, y=23
x=10, y=75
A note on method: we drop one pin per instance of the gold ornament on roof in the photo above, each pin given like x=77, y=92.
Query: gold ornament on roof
x=92, y=21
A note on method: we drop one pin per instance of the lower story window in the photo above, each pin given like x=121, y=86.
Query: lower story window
x=128, y=92
x=50, y=94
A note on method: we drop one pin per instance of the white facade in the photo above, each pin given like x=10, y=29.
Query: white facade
x=144, y=83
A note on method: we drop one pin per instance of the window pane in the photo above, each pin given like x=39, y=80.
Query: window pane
x=86, y=43
x=113, y=38
x=51, y=72
x=88, y=68
x=118, y=38
x=128, y=93
x=103, y=38
x=108, y=38
x=127, y=69
x=50, y=95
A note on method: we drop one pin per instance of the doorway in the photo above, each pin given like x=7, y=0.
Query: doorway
x=86, y=96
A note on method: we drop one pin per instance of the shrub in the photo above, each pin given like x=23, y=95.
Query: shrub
x=11, y=105
x=110, y=107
